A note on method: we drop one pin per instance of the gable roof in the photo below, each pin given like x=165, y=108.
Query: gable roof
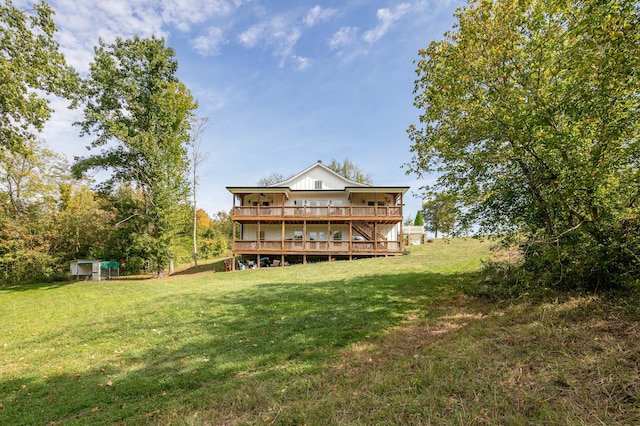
x=321, y=168
x=305, y=181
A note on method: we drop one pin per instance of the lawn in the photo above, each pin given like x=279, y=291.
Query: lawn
x=376, y=341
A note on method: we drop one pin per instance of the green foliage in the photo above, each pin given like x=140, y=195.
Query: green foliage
x=350, y=171
x=439, y=213
x=135, y=103
x=30, y=63
x=83, y=224
x=530, y=119
x=418, y=220
x=217, y=238
x=29, y=180
x=25, y=248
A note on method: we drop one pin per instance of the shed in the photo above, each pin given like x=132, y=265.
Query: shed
x=94, y=269
x=414, y=235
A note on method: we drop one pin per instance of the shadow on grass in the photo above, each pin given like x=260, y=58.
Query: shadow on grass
x=35, y=286
x=217, y=266
x=180, y=351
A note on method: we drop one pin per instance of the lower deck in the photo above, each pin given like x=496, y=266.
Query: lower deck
x=262, y=260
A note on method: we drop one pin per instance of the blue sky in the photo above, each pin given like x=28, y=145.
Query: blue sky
x=284, y=83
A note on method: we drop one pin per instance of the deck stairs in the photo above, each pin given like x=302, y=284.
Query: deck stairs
x=367, y=231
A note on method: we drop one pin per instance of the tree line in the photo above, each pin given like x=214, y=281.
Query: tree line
x=529, y=119
x=528, y=122
x=141, y=123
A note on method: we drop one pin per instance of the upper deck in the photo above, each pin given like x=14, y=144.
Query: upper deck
x=324, y=213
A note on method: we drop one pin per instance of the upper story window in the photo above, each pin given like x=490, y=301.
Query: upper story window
x=318, y=184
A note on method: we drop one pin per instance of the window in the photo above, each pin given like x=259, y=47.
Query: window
x=262, y=235
x=337, y=235
x=322, y=236
x=297, y=235
x=313, y=236
x=318, y=184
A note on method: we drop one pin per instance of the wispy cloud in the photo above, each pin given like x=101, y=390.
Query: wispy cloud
x=343, y=37
x=386, y=17
x=81, y=22
x=350, y=42
x=184, y=13
x=208, y=44
x=280, y=33
x=318, y=14
x=302, y=63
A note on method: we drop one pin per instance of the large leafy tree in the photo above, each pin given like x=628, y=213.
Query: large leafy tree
x=140, y=114
x=30, y=66
x=530, y=117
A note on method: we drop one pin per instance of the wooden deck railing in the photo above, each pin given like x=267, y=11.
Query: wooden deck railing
x=317, y=212
x=316, y=246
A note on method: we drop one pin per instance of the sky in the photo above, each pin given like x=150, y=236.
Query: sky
x=283, y=83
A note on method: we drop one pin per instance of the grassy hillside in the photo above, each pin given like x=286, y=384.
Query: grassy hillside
x=381, y=341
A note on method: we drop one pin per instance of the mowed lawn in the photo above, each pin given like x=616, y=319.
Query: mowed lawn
x=375, y=341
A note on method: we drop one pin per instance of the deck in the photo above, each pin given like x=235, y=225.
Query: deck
x=388, y=214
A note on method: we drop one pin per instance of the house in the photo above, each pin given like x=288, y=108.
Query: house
x=315, y=215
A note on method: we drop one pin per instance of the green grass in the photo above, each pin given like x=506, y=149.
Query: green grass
x=376, y=341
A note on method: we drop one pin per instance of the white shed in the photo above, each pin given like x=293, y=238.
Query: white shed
x=94, y=269
x=414, y=235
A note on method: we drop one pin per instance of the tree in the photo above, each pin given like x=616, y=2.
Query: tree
x=529, y=116
x=219, y=236
x=439, y=213
x=418, y=220
x=350, y=171
x=140, y=115
x=274, y=177
x=197, y=157
x=30, y=64
x=29, y=180
x=83, y=223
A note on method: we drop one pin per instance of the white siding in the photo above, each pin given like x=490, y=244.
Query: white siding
x=307, y=179
x=336, y=199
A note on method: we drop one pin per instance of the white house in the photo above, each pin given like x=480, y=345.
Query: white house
x=316, y=215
